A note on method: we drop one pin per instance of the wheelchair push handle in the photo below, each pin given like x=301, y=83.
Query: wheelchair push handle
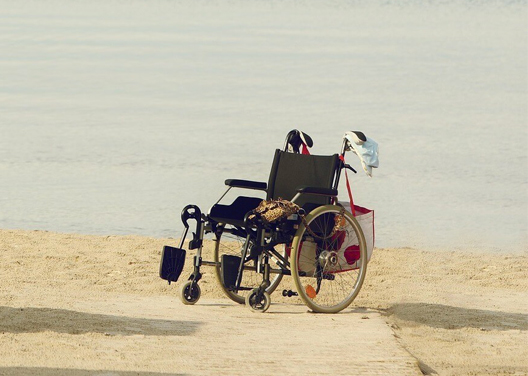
x=296, y=140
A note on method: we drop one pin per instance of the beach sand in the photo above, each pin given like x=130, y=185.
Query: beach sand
x=457, y=313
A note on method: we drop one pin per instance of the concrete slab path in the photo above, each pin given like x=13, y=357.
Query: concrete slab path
x=110, y=334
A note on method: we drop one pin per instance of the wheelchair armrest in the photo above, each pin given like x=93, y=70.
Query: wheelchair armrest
x=317, y=191
x=237, y=183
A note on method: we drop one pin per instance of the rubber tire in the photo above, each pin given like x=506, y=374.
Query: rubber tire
x=184, y=291
x=267, y=301
x=240, y=299
x=295, y=255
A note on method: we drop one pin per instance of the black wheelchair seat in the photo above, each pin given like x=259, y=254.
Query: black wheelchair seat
x=234, y=214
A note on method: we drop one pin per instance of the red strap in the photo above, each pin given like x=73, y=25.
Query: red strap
x=352, y=209
x=305, y=149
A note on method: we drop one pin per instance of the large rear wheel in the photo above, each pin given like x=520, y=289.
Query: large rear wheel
x=329, y=259
x=229, y=241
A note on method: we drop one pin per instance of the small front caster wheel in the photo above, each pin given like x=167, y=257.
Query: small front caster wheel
x=190, y=293
x=258, y=302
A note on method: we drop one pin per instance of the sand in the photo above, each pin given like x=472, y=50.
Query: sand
x=64, y=297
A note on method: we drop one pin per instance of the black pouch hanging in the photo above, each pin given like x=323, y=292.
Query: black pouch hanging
x=229, y=266
x=172, y=262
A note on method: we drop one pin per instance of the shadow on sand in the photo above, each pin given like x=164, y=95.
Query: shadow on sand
x=32, y=320
x=301, y=309
x=41, y=371
x=448, y=317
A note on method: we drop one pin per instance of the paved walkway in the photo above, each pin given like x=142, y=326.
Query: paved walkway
x=85, y=334
x=289, y=340
x=229, y=339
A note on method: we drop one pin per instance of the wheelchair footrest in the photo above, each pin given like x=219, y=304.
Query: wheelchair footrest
x=229, y=267
x=172, y=262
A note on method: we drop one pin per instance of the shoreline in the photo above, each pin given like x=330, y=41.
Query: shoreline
x=458, y=314
x=515, y=250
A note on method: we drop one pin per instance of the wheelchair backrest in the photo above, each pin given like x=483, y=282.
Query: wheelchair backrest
x=290, y=171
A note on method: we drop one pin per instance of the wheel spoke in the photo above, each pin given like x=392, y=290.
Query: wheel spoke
x=340, y=280
x=230, y=244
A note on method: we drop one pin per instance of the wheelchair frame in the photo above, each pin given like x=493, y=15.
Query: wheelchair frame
x=259, y=247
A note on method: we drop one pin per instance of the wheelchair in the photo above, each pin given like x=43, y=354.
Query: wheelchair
x=321, y=246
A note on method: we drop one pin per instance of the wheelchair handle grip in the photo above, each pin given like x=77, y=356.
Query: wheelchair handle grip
x=296, y=138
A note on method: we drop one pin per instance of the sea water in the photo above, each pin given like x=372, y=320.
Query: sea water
x=116, y=114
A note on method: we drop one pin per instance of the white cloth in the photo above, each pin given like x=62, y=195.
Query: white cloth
x=367, y=151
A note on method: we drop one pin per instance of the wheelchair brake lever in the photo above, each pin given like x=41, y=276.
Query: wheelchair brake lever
x=196, y=242
x=348, y=167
